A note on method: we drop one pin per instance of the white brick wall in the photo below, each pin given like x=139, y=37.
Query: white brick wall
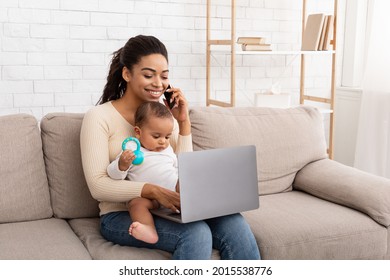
x=54, y=54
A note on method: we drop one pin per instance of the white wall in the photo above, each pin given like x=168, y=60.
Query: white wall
x=348, y=102
x=54, y=54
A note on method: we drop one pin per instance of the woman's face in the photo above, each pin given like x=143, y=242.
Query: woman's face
x=148, y=79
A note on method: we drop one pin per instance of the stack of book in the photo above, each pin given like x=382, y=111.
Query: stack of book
x=253, y=44
x=318, y=32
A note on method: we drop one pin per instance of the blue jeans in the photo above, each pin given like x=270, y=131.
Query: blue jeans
x=230, y=235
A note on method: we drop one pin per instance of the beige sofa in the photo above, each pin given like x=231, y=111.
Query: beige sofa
x=310, y=207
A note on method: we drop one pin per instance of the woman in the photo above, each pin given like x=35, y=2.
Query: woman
x=139, y=73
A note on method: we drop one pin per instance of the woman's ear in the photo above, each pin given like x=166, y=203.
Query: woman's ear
x=126, y=75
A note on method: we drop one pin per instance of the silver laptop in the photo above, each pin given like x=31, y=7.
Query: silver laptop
x=215, y=183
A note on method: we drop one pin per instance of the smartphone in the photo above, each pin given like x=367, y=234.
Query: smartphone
x=168, y=96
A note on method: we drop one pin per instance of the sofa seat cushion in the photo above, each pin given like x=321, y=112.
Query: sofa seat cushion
x=296, y=225
x=24, y=191
x=49, y=239
x=88, y=231
x=285, y=139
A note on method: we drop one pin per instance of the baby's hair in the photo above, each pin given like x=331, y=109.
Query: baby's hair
x=150, y=109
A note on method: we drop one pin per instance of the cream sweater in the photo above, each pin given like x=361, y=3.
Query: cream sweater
x=102, y=133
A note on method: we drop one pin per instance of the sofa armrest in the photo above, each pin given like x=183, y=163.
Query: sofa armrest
x=341, y=184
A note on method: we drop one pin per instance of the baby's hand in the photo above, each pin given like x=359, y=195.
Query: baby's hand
x=126, y=159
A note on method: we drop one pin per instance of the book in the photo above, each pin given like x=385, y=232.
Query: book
x=322, y=37
x=259, y=47
x=251, y=40
x=328, y=33
x=312, y=32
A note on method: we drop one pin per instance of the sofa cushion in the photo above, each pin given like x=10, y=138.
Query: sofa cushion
x=69, y=192
x=296, y=225
x=285, y=139
x=49, y=239
x=88, y=230
x=348, y=186
x=24, y=192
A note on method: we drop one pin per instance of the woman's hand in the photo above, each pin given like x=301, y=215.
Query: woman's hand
x=168, y=199
x=180, y=111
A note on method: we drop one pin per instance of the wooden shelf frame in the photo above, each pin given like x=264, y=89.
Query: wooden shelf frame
x=302, y=95
x=231, y=42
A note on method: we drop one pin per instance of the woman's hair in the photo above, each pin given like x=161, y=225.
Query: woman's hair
x=129, y=55
x=150, y=109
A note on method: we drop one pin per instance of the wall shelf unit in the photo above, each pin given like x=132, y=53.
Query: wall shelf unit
x=278, y=52
x=303, y=96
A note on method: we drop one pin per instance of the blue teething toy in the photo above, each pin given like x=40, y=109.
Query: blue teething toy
x=139, y=155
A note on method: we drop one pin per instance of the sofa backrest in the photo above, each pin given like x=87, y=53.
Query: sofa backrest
x=24, y=191
x=285, y=139
x=70, y=196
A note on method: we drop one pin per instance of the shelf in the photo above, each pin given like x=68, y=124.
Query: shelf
x=284, y=52
x=325, y=111
x=234, y=50
x=278, y=52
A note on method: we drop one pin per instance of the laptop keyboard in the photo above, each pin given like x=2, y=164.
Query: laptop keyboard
x=175, y=215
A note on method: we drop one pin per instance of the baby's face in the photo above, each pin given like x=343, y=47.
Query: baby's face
x=154, y=135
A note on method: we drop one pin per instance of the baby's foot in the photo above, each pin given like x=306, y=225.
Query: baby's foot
x=143, y=232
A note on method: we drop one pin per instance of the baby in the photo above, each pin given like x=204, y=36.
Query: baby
x=153, y=128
